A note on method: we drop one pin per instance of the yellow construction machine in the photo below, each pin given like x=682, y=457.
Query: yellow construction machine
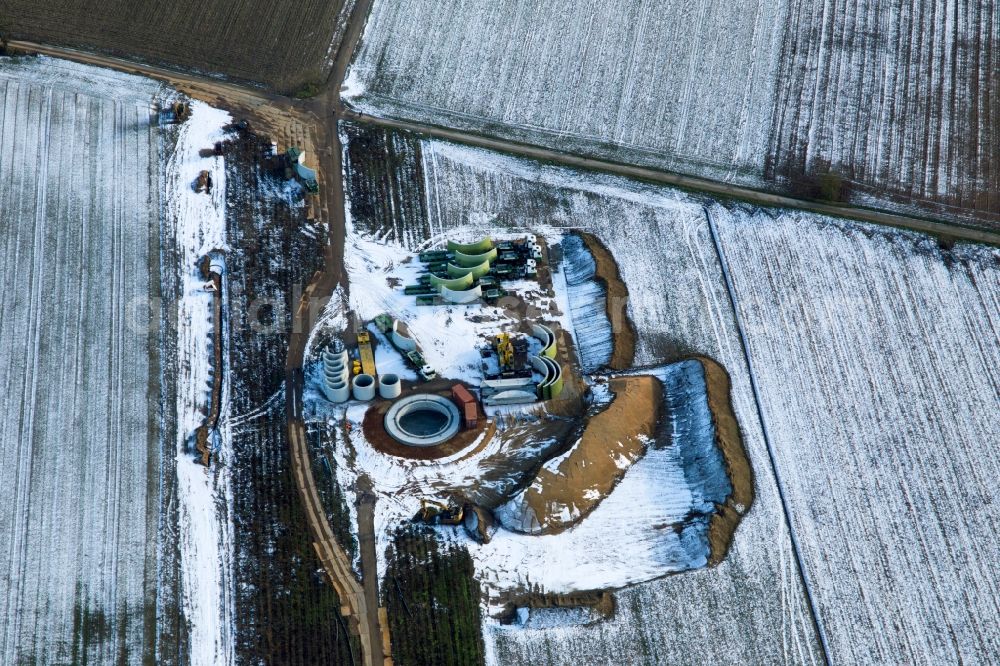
x=505, y=351
x=438, y=514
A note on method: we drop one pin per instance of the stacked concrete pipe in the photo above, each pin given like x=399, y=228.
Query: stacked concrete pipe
x=336, y=374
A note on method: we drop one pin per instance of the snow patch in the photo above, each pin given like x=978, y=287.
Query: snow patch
x=204, y=494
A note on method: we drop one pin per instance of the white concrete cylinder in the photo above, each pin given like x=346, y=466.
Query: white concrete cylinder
x=335, y=357
x=364, y=387
x=389, y=386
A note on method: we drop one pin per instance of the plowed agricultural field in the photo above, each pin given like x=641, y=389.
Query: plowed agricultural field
x=902, y=98
x=80, y=479
x=876, y=361
x=898, y=99
x=684, y=85
x=284, y=44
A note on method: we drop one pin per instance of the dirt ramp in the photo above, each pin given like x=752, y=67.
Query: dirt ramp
x=570, y=486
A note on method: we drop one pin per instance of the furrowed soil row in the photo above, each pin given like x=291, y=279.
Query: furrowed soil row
x=284, y=45
x=80, y=467
x=897, y=99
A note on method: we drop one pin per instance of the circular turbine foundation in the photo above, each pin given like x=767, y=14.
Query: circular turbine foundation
x=423, y=420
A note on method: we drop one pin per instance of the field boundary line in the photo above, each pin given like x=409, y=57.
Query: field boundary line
x=755, y=389
x=955, y=229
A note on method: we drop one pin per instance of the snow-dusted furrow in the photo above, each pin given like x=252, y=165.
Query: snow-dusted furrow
x=77, y=452
x=877, y=362
x=897, y=97
x=660, y=82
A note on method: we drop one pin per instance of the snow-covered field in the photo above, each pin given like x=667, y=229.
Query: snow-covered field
x=898, y=97
x=875, y=354
x=79, y=442
x=878, y=364
x=752, y=607
x=198, y=224
x=685, y=85
x=89, y=501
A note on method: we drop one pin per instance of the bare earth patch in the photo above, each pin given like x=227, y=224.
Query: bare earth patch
x=730, y=442
x=563, y=494
x=379, y=438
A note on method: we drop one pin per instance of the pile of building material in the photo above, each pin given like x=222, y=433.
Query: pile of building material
x=336, y=373
x=399, y=335
x=513, y=376
x=471, y=272
x=466, y=406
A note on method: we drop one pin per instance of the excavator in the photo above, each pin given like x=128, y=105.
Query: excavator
x=436, y=513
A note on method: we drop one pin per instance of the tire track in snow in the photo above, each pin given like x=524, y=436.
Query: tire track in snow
x=767, y=439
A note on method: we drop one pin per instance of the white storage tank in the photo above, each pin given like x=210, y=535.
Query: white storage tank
x=389, y=386
x=364, y=387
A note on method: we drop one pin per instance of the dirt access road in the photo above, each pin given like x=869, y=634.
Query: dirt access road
x=691, y=183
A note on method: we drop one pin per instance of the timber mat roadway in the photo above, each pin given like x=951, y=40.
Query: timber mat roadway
x=325, y=111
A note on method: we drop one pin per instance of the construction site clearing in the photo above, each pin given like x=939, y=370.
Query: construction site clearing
x=514, y=368
x=452, y=381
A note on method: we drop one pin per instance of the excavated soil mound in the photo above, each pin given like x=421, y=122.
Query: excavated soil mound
x=562, y=494
x=730, y=442
x=622, y=329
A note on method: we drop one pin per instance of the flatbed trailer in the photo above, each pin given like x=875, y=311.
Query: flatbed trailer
x=366, y=354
